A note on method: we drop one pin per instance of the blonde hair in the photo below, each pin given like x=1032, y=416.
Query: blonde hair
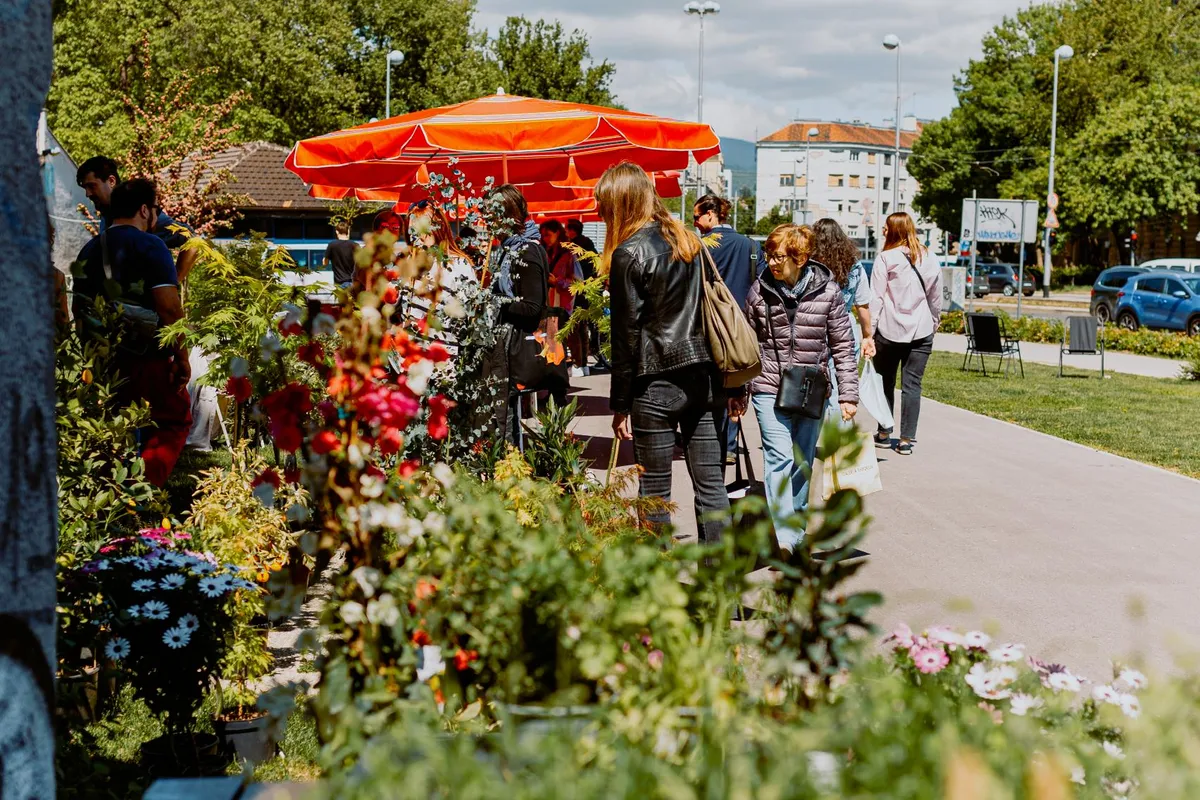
x=902, y=232
x=443, y=234
x=793, y=242
x=626, y=201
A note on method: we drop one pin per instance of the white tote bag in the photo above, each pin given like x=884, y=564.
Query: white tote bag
x=870, y=394
x=860, y=474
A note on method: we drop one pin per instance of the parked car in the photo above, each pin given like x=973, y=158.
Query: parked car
x=1003, y=278
x=1177, y=264
x=1104, y=291
x=1161, y=299
x=978, y=281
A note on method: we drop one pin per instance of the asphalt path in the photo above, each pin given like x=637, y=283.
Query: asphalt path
x=1081, y=555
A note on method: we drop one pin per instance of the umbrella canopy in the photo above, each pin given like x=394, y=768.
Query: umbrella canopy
x=508, y=138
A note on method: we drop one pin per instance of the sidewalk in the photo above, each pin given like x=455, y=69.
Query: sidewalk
x=1035, y=353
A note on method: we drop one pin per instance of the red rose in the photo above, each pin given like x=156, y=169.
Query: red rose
x=392, y=274
x=420, y=638
x=408, y=468
x=239, y=388
x=390, y=295
x=311, y=353
x=326, y=442
x=390, y=441
x=287, y=436
x=463, y=658
x=439, y=407
x=437, y=353
x=268, y=475
x=292, y=475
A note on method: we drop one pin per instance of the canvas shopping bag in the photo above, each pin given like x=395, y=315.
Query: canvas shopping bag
x=870, y=394
x=860, y=474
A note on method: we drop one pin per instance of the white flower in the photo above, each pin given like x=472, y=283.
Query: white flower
x=212, y=587
x=1008, y=653
x=146, y=564
x=371, y=486
x=143, y=586
x=453, y=308
x=367, y=579
x=369, y=314
x=1079, y=776
x=357, y=454
x=991, y=684
x=977, y=640
x=434, y=523
x=1106, y=694
x=292, y=315
x=172, y=581
x=431, y=663
x=943, y=635
x=135, y=611
x=176, y=638
x=117, y=648
x=1063, y=682
x=1022, y=704
x=1132, y=679
x=270, y=346
x=203, y=567
x=1130, y=705
x=418, y=376
x=383, y=611
x=352, y=612
x=324, y=325
x=239, y=367
x=155, y=609
x=444, y=473
x=573, y=633
x=188, y=622
x=1113, y=749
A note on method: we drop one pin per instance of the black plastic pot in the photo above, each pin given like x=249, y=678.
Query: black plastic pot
x=248, y=740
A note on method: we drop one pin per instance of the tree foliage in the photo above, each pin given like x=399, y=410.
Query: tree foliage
x=305, y=68
x=997, y=140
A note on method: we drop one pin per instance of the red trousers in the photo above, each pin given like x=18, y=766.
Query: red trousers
x=150, y=379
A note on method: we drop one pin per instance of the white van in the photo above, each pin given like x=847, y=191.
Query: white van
x=1177, y=264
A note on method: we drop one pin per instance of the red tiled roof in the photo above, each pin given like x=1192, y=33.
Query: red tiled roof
x=843, y=133
x=258, y=173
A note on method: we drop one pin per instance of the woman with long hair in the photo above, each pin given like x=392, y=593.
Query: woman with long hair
x=797, y=311
x=429, y=229
x=564, y=270
x=663, y=377
x=906, y=304
x=833, y=248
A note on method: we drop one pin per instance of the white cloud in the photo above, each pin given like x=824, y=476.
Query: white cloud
x=767, y=61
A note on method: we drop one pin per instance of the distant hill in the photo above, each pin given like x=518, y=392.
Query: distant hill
x=740, y=159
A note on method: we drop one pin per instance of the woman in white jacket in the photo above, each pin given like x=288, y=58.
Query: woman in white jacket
x=906, y=306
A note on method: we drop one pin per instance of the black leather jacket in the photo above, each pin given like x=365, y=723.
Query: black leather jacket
x=657, y=322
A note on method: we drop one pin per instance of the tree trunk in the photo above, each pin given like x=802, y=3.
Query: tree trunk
x=27, y=486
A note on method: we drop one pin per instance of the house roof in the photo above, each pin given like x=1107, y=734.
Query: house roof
x=843, y=133
x=258, y=173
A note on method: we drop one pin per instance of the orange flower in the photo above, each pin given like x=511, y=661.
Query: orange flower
x=463, y=658
x=425, y=588
x=421, y=638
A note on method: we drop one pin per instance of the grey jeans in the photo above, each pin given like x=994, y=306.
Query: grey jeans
x=683, y=400
x=910, y=358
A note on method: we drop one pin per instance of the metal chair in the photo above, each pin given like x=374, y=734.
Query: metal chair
x=1082, y=336
x=987, y=336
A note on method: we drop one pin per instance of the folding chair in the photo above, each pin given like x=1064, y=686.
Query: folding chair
x=1084, y=340
x=986, y=336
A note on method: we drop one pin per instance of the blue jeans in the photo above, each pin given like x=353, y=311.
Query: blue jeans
x=785, y=438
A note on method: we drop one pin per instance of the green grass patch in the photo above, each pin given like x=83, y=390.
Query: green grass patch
x=1151, y=420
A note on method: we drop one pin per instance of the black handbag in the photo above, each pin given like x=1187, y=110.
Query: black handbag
x=803, y=389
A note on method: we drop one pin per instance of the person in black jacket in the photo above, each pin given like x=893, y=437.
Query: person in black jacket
x=664, y=380
x=519, y=273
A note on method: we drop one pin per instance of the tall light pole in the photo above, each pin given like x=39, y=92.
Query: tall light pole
x=1062, y=53
x=701, y=10
x=394, y=57
x=811, y=132
x=892, y=42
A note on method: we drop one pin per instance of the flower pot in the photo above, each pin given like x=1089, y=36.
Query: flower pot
x=248, y=740
x=79, y=694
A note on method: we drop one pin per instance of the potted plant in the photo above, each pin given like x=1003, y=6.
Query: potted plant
x=242, y=727
x=164, y=621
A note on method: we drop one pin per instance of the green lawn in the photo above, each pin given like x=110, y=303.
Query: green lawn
x=1147, y=419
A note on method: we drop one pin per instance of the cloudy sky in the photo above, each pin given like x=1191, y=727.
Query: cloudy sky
x=769, y=61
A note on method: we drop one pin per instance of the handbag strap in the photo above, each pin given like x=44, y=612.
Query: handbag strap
x=744, y=452
x=920, y=280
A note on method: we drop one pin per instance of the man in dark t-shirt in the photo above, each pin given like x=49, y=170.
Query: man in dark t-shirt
x=130, y=271
x=339, y=256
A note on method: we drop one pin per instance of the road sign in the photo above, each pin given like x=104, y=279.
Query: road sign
x=999, y=221
x=1052, y=200
x=1051, y=219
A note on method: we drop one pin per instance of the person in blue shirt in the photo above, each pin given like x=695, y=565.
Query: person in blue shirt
x=130, y=271
x=739, y=260
x=98, y=176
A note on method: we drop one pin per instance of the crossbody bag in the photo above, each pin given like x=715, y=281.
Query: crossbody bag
x=803, y=389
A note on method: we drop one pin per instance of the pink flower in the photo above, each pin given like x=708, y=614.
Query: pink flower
x=655, y=659
x=931, y=659
x=901, y=637
x=943, y=635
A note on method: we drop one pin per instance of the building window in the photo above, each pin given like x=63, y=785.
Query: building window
x=786, y=180
x=903, y=206
x=870, y=158
x=801, y=180
x=887, y=159
x=841, y=207
x=855, y=182
x=886, y=208
x=855, y=155
x=837, y=181
x=887, y=183
x=870, y=181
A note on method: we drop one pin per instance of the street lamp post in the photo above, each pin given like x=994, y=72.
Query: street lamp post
x=811, y=132
x=892, y=42
x=394, y=57
x=1061, y=54
x=701, y=10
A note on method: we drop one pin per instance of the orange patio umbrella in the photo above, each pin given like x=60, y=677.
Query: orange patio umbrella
x=507, y=138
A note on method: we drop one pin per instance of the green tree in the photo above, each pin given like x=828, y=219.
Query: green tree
x=774, y=218
x=540, y=59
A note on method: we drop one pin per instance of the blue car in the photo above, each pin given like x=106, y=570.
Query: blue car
x=1161, y=299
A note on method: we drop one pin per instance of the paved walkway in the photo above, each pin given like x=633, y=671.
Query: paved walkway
x=1032, y=538
x=1034, y=353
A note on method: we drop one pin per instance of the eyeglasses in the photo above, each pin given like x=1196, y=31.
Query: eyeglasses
x=774, y=258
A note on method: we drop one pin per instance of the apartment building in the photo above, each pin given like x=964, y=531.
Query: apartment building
x=844, y=171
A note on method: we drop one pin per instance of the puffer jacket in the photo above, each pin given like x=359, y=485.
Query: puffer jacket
x=657, y=323
x=820, y=327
